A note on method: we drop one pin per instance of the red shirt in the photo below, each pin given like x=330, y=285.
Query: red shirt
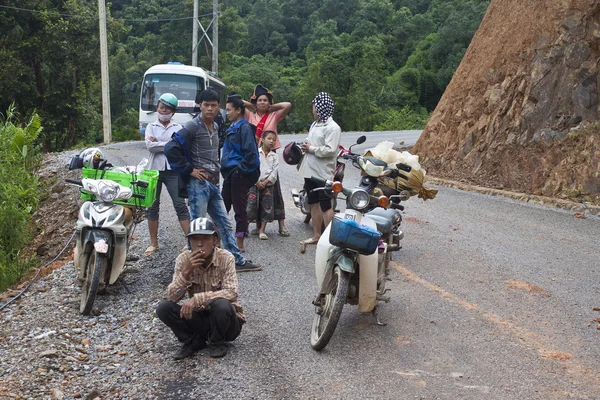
x=270, y=124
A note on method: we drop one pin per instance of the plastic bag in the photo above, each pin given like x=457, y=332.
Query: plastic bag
x=385, y=152
x=130, y=169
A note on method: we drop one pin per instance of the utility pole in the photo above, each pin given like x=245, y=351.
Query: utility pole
x=195, y=36
x=215, y=34
x=104, y=72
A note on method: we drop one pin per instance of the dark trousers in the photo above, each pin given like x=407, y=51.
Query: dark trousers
x=235, y=192
x=218, y=324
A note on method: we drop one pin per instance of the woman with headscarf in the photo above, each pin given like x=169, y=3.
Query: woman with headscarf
x=265, y=117
x=320, y=155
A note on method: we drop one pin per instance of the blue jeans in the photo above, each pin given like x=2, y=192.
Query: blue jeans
x=204, y=197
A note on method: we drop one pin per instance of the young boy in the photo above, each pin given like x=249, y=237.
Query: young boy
x=260, y=196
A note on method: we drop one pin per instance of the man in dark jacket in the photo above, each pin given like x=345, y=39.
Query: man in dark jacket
x=240, y=165
x=194, y=153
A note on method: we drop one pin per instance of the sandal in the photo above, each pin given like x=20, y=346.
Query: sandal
x=305, y=242
x=284, y=233
x=263, y=236
x=150, y=250
x=255, y=231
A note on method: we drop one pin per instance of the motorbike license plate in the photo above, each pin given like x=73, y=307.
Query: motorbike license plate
x=101, y=246
x=350, y=216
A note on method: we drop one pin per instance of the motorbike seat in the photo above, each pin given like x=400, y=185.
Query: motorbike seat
x=384, y=219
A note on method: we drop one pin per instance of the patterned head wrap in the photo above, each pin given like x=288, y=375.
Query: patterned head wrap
x=324, y=105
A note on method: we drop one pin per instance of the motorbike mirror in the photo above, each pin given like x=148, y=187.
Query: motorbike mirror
x=404, y=195
x=360, y=140
x=76, y=163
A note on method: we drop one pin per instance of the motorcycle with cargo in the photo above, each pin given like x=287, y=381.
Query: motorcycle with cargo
x=353, y=255
x=114, y=201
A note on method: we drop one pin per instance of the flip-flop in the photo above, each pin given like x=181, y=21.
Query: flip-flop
x=150, y=250
x=255, y=231
x=284, y=233
x=305, y=242
x=263, y=236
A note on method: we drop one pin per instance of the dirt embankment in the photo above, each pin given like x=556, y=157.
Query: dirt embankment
x=520, y=113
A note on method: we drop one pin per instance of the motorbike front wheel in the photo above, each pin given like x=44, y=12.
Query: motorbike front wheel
x=94, y=268
x=328, y=313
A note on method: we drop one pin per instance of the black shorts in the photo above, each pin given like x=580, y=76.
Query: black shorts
x=320, y=196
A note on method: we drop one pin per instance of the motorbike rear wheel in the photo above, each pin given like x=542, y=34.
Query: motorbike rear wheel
x=94, y=268
x=328, y=314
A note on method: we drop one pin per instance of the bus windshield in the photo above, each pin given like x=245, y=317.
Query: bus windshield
x=184, y=87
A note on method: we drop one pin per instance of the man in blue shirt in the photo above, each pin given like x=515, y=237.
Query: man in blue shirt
x=240, y=165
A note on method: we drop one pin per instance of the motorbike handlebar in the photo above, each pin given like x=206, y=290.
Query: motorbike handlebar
x=404, y=167
x=140, y=183
x=74, y=181
x=318, y=180
x=397, y=206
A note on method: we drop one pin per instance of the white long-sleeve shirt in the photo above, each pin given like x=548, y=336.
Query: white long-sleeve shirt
x=269, y=164
x=324, y=139
x=157, y=159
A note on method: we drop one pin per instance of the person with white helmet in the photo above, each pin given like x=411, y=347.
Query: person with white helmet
x=211, y=316
x=157, y=135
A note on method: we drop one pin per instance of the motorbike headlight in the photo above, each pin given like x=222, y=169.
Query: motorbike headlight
x=108, y=192
x=359, y=199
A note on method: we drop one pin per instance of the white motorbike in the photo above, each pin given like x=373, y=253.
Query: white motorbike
x=103, y=233
x=353, y=254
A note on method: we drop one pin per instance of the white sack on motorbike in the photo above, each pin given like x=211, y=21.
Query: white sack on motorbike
x=385, y=152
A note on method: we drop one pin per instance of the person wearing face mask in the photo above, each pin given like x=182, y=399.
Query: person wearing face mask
x=157, y=135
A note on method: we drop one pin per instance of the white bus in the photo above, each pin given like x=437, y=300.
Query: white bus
x=185, y=82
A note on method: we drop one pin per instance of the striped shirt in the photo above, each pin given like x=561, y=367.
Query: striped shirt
x=217, y=281
x=204, y=146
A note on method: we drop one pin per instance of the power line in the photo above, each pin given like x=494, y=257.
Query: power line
x=96, y=17
x=42, y=12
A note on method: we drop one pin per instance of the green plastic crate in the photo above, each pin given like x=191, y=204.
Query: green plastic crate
x=124, y=179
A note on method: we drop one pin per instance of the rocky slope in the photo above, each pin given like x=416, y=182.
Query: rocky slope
x=520, y=113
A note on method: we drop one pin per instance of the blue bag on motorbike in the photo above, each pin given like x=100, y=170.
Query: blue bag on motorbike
x=346, y=233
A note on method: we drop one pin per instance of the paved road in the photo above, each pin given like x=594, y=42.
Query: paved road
x=491, y=299
x=407, y=138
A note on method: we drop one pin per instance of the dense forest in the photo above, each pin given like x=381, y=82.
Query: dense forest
x=385, y=62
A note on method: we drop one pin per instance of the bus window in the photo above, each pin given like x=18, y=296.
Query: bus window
x=184, y=87
x=219, y=89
